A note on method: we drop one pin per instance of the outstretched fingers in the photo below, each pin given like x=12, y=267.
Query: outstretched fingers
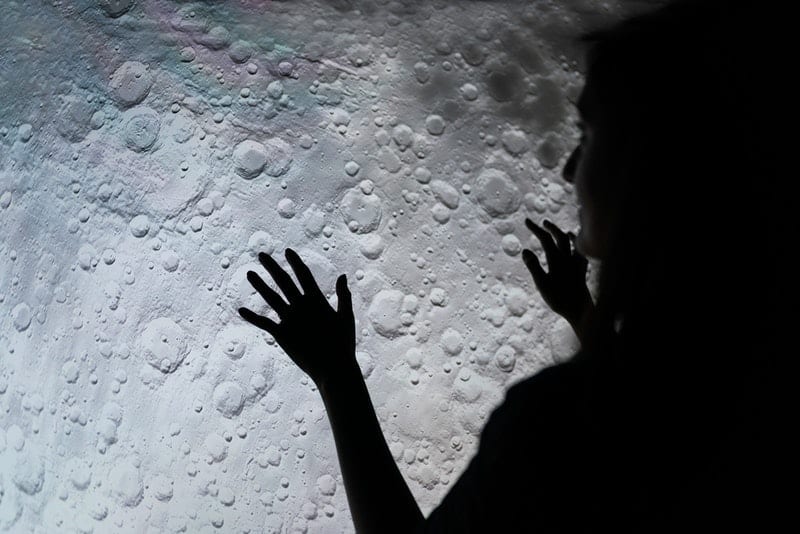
x=549, y=246
x=303, y=274
x=561, y=237
x=260, y=321
x=271, y=297
x=280, y=276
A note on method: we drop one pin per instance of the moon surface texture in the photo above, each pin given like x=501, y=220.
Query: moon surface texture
x=150, y=149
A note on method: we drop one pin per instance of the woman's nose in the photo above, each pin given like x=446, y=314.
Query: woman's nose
x=569, y=168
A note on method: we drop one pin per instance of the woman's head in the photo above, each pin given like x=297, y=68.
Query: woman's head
x=690, y=201
x=679, y=171
x=649, y=91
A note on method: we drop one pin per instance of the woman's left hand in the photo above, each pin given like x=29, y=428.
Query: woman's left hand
x=319, y=339
x=564, y=286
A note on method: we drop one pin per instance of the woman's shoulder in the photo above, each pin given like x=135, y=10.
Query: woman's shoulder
x=533, y=404
x=526, y=449
x=558, y=379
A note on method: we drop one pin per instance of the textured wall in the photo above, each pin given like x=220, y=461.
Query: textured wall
x=149, y=149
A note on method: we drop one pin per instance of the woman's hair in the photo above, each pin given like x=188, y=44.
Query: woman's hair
x=698, y=267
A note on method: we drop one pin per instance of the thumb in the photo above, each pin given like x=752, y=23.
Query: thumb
x=345, y=306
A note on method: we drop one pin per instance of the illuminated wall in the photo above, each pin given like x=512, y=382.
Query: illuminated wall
x=150, y=148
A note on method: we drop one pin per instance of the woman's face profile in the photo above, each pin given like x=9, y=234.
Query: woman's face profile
x=589, y=169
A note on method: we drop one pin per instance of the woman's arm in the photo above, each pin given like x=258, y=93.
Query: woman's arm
x=322, y=342
x=379, y=498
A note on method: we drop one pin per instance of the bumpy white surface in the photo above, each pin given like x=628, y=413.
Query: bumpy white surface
x=150, y=149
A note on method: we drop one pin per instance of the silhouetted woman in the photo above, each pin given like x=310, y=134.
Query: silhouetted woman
x=676, y=414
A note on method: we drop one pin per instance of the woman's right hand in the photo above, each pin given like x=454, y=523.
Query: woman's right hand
x=564, y=288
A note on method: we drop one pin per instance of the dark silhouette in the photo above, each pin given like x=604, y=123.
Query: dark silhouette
x=676, y=414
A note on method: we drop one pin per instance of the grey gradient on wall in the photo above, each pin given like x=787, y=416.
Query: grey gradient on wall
x=149, y=149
